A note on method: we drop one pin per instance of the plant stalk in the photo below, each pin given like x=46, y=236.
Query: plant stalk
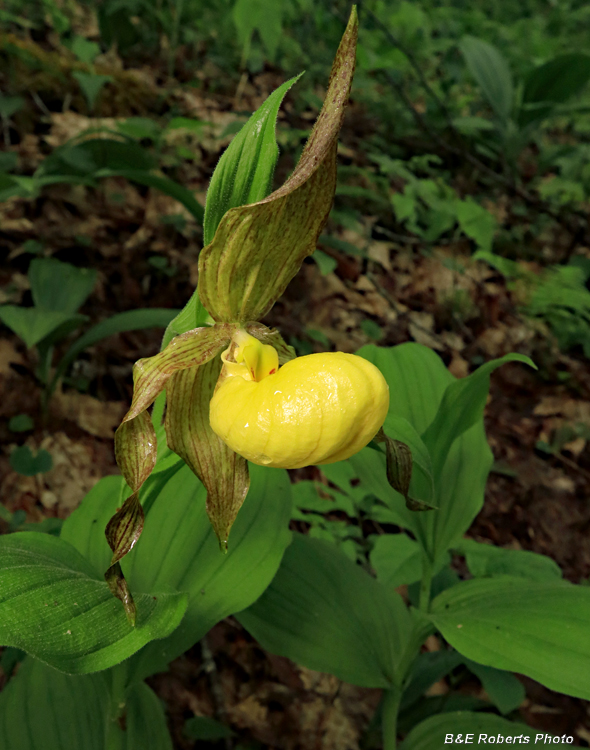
x=425, y=583
x=115, y=736
x=390, y=710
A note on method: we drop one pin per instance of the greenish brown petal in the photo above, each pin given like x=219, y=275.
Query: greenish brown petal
x=135, y=440
x=119, y=588
x=125, y=527
x=122, y=532
x=399, y=465
x=186, y=350
x=135, y=449
x=273, y=337
x=257, y=249
x=223, y=472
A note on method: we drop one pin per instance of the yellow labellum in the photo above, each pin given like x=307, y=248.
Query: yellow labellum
x=316, y=409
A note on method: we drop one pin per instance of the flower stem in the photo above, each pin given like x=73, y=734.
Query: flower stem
x=390, y=709
x=426, y=582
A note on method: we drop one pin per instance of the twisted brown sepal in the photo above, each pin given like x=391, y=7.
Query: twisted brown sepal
x=122, y=531
x=399, y=469
x=135, y=440
x=223, y=472
x=258, y=248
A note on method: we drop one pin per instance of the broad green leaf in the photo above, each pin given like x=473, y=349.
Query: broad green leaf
x=11, y=187
x=540, y=629
x=396, y=559
x=418, y=378
x=43, y=709
x=485, y=560
x=326, y=263
x=84, y=49
x=306, y=496
x=131, y=320
x=476, y=222
x=257, y=249
x=490, y=69
x=432, y=734
x=461, y=407
x=261, y=16
x=178, y=550
x=427, y=669
x=503, y=688
x=59, y=287
x=21, y=423
x=245, y=171
x=324, y=612
x=553, y=83
x=94, y=154
x=25, y=463
x=204, y=728
x=91, y=85
x=145, y=720
x=53, y=607
x=32, y=324
x=10, y=105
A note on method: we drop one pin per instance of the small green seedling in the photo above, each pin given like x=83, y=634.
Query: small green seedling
x=59, y=290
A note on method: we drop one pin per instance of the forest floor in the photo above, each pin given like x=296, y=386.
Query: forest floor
x=534, y=500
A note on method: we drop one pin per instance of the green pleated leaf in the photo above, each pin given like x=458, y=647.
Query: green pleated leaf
x=53, y=607
x=553, y=83
x=223, y=472
x=257, y=249
x=538, y=629
x=31, y=324
x=461, y=407
x=179, y=551
x=486, y=560
x=43, y=709
x=428, y=668
x=59, y=287
x=145, y=721
x=490, y=69
x=324, y=612
x=245, y=171
x=503, y=688
x=450, y=730
x=448, y=415
x=397, y=559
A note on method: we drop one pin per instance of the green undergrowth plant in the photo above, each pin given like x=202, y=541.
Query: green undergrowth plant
x=59, y=290
x=558, y=295
x=414, y=455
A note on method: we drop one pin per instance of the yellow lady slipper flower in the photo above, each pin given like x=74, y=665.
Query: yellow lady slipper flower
x=316, y=409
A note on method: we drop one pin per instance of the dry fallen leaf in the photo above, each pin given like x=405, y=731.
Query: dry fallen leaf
x=98, y=418
x=8, y=356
